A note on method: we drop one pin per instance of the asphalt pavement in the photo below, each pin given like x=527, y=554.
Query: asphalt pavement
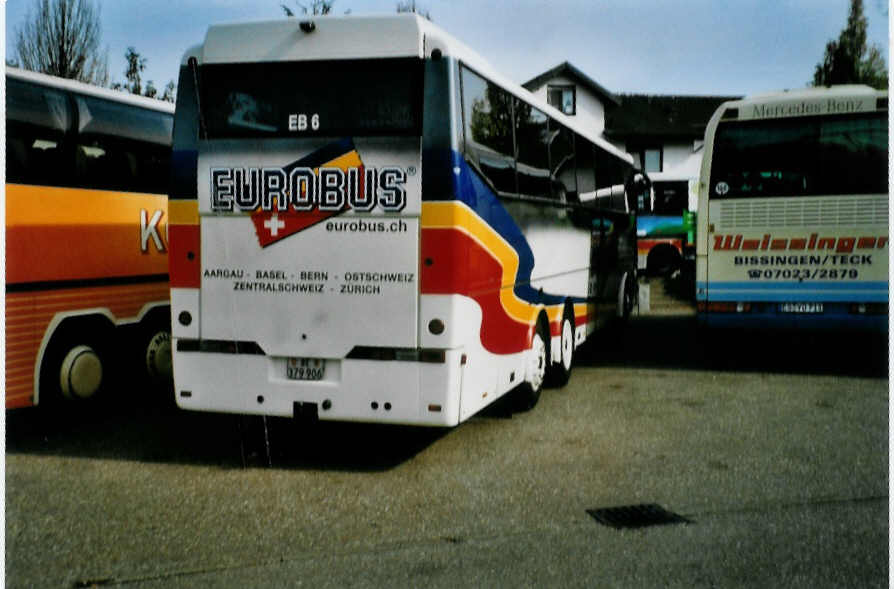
x=771, y=448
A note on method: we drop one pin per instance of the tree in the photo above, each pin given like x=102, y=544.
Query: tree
x=848, y=60
x=62, y=39
x=134, y=72
x=134, y=76
x=316, y=7
x=410, y=6
x=169, y=93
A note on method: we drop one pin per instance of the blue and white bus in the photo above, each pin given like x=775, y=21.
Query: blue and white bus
x=793, y=211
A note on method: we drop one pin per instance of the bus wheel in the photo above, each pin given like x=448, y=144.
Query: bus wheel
x=663, y=261
x=80, y=375
x=527, y=394
x=158, y=356
x=560, y=373
x=154, y=347
x=75, y=366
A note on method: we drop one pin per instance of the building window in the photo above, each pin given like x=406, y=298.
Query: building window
x=651, y=159
x=562, y=98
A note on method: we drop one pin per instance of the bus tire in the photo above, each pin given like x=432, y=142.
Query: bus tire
x=663, y=261
x=75, y=366
x=154, y=347
x=560, y=372
x=527, y=394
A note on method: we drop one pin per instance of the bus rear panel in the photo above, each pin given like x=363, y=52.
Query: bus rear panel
x=793, y=224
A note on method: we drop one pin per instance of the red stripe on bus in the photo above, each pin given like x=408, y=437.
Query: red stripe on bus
x=184, y=256
x=461, y=265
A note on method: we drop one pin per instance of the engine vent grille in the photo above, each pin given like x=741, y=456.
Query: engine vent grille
x=844, y=211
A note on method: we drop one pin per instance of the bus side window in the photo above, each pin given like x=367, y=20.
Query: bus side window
x=532, y=138
x=561, y=162
x=487, y=118
x=37, y=120
x=121, y=149
x=610, y=181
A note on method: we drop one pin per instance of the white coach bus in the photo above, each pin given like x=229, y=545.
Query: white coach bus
x=370, y=224
x=793, y=211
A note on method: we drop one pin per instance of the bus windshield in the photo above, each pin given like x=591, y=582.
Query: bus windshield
x=801, y=157
x=316, y=98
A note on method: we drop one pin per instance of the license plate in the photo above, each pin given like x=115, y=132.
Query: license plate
x=801, y=308
x=305, y=369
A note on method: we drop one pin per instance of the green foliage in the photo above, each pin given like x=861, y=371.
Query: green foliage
x=134, y=76
x=848, y=60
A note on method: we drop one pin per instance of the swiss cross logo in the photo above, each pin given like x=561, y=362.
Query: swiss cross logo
x=274, y=224
x=328, y=182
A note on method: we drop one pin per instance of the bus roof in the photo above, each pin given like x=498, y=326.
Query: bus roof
x=360, y=37
x=806, y=102
x=90, y=90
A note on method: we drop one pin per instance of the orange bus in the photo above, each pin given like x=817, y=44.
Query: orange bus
x=87, y=296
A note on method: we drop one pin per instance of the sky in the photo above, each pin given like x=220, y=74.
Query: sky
x=701, y=47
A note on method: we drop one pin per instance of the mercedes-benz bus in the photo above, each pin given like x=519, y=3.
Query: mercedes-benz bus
x=793, y=211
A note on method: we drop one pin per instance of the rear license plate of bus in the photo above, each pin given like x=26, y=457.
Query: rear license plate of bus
x=305, y=368
x=801, y=308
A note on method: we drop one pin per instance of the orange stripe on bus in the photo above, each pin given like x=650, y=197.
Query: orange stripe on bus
x=71, y=234
x=183, y=212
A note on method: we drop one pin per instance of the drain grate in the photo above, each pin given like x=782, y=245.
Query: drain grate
x=636, y=516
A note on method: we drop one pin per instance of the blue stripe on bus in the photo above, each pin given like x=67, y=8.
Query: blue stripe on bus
x=871, y=292
x=184, y=163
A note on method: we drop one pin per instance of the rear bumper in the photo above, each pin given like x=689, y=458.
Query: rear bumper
x=836, y=316
x=389, y=391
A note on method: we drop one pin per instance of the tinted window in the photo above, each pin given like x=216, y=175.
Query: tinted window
x=115, y=147
x=803, y=156
x=121, y=147
x=611, y=176
x=561, y=161
x=36, y=121
x=532, y=135
x=586, y=169
x=487, y=117
x=328, y=98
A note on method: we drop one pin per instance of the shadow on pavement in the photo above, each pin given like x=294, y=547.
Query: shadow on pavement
x=145, y=428
x=149, y=430
x=676, y=342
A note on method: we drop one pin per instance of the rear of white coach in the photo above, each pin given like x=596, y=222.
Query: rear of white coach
x=793, y=211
